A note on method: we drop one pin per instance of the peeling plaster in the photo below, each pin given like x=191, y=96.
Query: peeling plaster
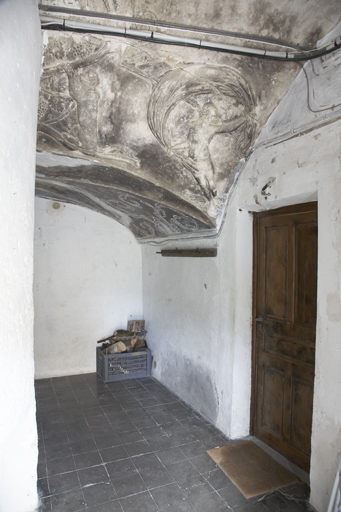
x=178, y=119
x=45, y=159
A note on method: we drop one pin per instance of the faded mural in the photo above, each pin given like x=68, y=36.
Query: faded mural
x=190, y=107
x=150, y=114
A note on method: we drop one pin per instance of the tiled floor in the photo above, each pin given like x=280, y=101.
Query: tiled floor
x=134, y=447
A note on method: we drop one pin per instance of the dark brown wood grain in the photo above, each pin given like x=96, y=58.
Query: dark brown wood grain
x=284, y=327
x=190, y=253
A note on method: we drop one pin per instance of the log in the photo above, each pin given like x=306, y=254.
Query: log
x=188, y=253
x=140, y=343
x=110, y=339
x=127, y=337
x=135, y=325
x=116, y=348
x=122, y=332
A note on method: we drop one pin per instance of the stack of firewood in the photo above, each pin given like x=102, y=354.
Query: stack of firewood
x=130, y=340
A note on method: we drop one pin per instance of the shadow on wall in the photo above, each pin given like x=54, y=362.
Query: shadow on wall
x=193, y=383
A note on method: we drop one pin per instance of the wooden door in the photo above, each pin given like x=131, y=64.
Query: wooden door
x=284, y=326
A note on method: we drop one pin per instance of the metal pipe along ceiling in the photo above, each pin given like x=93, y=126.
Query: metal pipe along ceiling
x=52, y=19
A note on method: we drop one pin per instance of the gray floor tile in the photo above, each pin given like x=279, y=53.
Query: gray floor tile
x=252, y=507
x=45, y=505
x=100, y=493
x=125, y=486
x=168, y=496
x=132, y=446
x=183, y=507
x=113, y=506
x=278, y=503
x=211, y=501
x=64, y=482
x=56, y=438
x=162, y=418
x=57, y=451
x=217, y=479
x=95, y=421
x=212, y=441
x=156, y=477
x=121, y=467
x=75, y=424
x=120, y=426
x=137, y=448
x=204, y=463
x=96, y=410
x=87, y=460
x=113, y=453
x=171, y=455
x=148, y=462
x=83, y=434
x=83, y=446
x=233, y=497
x=41, y=469
x=58, y=466
x=195, y=491
x=161, y=443
x=183, y=470
x=152, y=431
x=101, y=429
x=93, y=475
x=103, y=441
x=43, y=487
x=72, y=501
x=192, y=449
x=146, y=421
x=142, y=502
x=130, y=437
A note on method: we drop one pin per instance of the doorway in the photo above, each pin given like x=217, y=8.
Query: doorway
x=284, y=328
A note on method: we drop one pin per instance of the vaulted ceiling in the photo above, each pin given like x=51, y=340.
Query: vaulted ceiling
x=156, y=135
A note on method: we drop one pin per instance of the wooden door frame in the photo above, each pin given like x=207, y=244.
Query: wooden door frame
x=297, y=208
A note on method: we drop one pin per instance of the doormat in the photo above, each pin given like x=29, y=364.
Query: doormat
x=251, y=469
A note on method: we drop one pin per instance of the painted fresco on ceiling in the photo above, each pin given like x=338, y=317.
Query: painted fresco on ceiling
x=179, y=120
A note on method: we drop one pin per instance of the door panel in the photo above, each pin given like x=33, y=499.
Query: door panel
x=302, y=398
x=285, y=285
x=272, y=414
x=275, y=267
x=306, y=236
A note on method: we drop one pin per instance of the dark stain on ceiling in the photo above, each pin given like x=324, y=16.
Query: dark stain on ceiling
x=156, y=136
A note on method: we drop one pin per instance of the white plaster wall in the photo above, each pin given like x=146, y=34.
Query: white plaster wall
x=87, y=283
x=305, y=163
x=326, y=438
x=308, y=168
x=200, y=316
x=181, y=298
x=20, y=61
